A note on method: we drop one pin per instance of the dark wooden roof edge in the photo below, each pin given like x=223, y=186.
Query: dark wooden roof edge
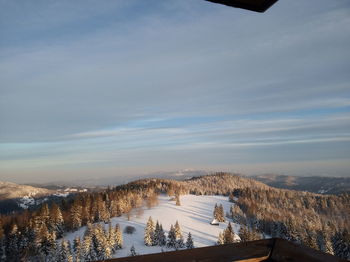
x=284, y=250
x=273, y=249
x=252, y=5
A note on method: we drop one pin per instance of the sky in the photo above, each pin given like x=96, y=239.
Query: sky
x=97, y=88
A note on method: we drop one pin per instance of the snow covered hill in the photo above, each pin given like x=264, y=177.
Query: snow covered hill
x=10, y=190
x=194, y=215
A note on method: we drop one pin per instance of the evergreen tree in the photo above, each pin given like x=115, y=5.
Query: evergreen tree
x=85, y=215
x=221, y=213
x=171, y=243
x=103, y=212
x=12, y=243
x=189, y=241
x=118, y=237
x=99, y=242
x=310, y=240
x=56, y=222
x=47, y=244
x=161, y=237
x=218, y=213
x=2, y=243
x=341, y=244
x=156, y=235
x=149, y=232
x=64, y=254
x=76, y=212
x=88, y=252
x=44, y=214
x=111, y=238
x=328, y=248
x=179, y=243
x=244, y=234
x=132, y=251
x=237, y=215
x=221, y=239
x=229, y=234
x=215, y=212
x=77, y=249
x=177, y=228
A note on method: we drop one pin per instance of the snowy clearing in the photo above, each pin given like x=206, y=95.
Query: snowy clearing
x=194, y=215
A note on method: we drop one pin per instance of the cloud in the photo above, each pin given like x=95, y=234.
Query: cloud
x=119, y=81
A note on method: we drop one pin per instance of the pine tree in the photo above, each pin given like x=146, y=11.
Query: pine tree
x=221, y=239
x=156, y=235
x=178, y=233
x=118, y=237
x=310, y=240
x=180, y=243
x=229, y=234
x=103, y=213
x=87, y=249
x=56, y=222
x=244, y=234
x=85, y=214
x=76, y=212
x=161, y=237
x=111, y=238
x=328, y=248
x=2, y=243
x=77, y=249
x=64, y=254
x=171, y=243
x=132, y=251
x=12, y=243
x=99, y=242
x=47, y=244
x=149, y=232
x=189, y=241
x=215, y=212
x=231, y=198
x=44, y=213
x=221, y=213
x=341, y=244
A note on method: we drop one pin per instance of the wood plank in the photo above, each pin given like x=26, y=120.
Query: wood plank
x=257, y=250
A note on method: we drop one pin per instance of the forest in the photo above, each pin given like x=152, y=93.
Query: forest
x=314, y=220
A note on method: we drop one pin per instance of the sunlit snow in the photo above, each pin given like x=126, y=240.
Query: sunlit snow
x=194, y=215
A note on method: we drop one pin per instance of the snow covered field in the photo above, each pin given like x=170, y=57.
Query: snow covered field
x=194, y=215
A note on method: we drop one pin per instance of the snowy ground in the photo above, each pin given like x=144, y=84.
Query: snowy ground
x=194, y=215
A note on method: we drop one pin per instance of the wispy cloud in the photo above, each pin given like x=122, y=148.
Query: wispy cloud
x=110, y=82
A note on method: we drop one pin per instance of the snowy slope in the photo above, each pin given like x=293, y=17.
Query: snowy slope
x=10, y=190
x=194, y=215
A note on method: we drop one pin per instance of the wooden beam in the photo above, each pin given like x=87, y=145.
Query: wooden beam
x=253, y=251
x=284, y=251
x=274, y=249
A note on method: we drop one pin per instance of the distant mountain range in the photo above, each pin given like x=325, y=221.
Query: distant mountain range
x=315, y=184
x=103, y=182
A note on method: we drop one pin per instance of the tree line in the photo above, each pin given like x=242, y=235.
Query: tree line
x=318, y=221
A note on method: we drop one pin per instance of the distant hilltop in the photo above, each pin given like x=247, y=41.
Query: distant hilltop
x=315, y=184
x=10, y=190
